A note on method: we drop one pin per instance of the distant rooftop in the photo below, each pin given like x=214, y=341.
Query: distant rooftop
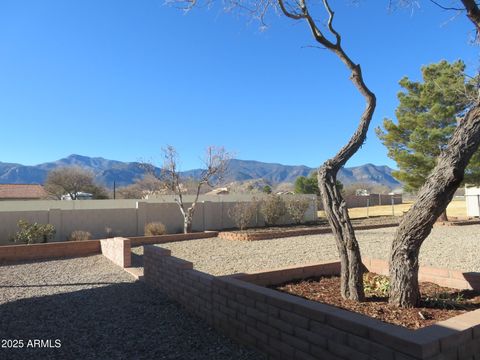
x=22, y=192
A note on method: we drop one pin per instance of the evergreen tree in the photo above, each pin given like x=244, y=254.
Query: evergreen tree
x=427, y=116
x=309, y=185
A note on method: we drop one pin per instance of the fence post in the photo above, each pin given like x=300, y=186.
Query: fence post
x=478, y=204
x=55, y=219
x=393, y=206
x=221, y=225
x=368, y=205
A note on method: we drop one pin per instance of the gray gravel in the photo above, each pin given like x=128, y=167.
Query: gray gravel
x=97, y=311
x=454, y=247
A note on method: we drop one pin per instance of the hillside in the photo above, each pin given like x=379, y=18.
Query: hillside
x=124, y=173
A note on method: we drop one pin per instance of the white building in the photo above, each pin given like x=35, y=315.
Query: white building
x=472, y=199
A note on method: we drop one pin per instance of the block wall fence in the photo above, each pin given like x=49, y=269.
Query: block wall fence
x=288, y=327
x=354, y=201
x=102, y=218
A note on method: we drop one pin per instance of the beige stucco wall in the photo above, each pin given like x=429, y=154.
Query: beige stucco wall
x=128, y=219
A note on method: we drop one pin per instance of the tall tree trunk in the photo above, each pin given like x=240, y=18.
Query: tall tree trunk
x=433, y=198
x=351, y=275
x=188, y=219
x=443, y=216
x=333, y=203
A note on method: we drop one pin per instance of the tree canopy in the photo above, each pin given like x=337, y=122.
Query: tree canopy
x=309, y=185
x=71, y=181
x=427, y=116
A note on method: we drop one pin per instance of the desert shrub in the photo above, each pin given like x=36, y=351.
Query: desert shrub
x=242, y=213
x=154, y=228
x=33, y=233
x=297, y=207
x=79, y=235
x=272, y=208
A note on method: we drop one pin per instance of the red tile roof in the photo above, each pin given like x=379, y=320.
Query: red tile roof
x=21, y=191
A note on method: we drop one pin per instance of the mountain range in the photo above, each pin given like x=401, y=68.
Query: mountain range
x=125, y=173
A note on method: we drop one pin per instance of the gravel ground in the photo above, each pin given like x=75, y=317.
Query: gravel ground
x=454, y=247
x=97, y=311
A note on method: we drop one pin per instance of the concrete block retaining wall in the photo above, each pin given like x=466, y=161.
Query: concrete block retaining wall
x=288, y=327
x=275, y=234
x=116, y=249
x=12, y=253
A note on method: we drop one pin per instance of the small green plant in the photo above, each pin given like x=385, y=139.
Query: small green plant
x=79, y=235
x=154, y=229
x=33, y=233
x=377, y=285
x=297, y=207
x=242, y=213
x=445, y=300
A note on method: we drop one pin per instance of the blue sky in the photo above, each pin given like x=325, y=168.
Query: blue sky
x=121, y=78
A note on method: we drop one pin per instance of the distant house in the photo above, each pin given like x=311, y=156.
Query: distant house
x=22, y=192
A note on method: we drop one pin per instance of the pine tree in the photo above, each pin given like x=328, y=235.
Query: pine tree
x=427, y=116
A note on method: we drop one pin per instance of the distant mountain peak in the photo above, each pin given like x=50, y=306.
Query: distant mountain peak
x=125, y=173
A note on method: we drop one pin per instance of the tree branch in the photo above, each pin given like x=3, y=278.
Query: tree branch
x=446, y=7
x=287, y=13
x=473, y=12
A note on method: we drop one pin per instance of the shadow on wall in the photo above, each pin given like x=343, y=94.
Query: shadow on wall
x=117, y=321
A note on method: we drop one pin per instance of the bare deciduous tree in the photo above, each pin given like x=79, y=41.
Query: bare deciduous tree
x=141, y=188
x=335, y=209
x=215, y=162
x=71, y=181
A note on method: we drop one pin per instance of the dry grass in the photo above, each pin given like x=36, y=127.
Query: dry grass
x=455, y=208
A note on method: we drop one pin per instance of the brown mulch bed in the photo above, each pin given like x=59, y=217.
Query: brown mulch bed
x=437, y=304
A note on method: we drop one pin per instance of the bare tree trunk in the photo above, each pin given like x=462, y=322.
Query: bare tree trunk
x=188, y=219
x=433, y=198
x=351, y=274
x=333, y=202
x=443, y=216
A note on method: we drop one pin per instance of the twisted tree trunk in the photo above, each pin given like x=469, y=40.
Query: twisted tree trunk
x=333, y=202
x=433, y=198
x=443, y=216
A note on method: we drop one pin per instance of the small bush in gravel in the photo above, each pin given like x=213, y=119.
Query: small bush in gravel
x=33, y=233
x=272, y=208
x=296, y=208
x=242, y=213
x=79, y=235
x=154, y=229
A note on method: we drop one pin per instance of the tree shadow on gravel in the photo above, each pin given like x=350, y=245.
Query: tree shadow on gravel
x=120, y=321
x=137, y=260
